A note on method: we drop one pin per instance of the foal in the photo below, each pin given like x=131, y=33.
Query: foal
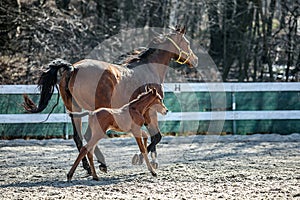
x=127, y=118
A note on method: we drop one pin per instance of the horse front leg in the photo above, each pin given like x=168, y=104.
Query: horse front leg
x=76, y=123
x=153, y=129
x=155, y=139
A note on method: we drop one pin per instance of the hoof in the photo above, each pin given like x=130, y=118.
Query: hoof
x=103, y=168
x=69, y=177
x=88, y=170
x=137, y=159
x=96, y=178
x=154, y=164
x=154, y=174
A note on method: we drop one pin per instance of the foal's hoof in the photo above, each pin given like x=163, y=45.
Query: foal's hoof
x=154, y=164
x=103, y=168
x=96, y=178
x=137, y=159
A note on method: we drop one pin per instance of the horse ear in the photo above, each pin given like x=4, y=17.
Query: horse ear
x=154, y=33
x=183, y=30
x=147, y=88
x=154, y=91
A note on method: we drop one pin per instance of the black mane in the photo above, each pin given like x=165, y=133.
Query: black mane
x=139, y=56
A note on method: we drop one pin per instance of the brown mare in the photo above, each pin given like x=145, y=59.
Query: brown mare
x=129, y=117
x=92, y=84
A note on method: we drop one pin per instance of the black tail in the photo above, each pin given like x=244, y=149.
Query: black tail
x=46, y=84
x=78, y=114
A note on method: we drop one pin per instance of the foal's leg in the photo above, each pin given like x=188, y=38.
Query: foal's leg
x=71, y=105
x=152, y=127
x=88, y=149
x=81, y=155
x=76, y=123
x=98, y=153
x=91, y=160
x=145, y=155
x=145, y=138
x=138, y=159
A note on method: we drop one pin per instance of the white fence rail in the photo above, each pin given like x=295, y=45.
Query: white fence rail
x=174, y=116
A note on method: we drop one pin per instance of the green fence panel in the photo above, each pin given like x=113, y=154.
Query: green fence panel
x=197, y=101
x=268, y=126
x=12, y=104
x=176, y=102
x=268, y=101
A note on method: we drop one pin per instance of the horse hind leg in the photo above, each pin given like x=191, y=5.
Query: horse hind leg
x=71, y=105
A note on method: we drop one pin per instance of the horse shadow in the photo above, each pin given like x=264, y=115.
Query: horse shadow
x=104, y=181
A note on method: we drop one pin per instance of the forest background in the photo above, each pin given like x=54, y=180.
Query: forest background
x=249, y=40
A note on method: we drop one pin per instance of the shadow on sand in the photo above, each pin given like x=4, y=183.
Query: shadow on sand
x=85, y=181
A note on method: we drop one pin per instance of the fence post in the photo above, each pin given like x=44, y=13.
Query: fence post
x=233, y=109
x=66, y=128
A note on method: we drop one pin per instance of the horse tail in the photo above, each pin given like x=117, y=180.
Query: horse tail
x=78, y=114
x=46, y=84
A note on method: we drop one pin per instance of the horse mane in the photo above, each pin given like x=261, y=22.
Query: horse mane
x=139, y=55
x=132, y=61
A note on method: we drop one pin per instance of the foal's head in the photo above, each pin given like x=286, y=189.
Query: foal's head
x=157, y=103
x=149, y=99
x=152, y=99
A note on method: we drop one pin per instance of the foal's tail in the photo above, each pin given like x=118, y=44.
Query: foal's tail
x=46, y=84
x=79, y=114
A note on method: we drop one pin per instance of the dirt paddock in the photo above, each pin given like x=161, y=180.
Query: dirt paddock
x=193, y=167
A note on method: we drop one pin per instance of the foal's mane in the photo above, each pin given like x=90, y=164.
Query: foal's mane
x=140, y=96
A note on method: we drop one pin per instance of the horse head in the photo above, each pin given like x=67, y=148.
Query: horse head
x=180, y=46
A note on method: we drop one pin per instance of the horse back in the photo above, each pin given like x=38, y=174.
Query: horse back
x=92, y=83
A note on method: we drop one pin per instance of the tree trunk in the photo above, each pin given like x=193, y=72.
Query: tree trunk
x=9, y=13
x=215, y=47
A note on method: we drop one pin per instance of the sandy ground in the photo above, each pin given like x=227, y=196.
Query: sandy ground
x=193, y=167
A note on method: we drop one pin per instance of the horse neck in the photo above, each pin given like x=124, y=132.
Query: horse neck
x=142, y=104
x=158, y=63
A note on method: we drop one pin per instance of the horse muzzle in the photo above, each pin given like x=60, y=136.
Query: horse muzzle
x=193, y=61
